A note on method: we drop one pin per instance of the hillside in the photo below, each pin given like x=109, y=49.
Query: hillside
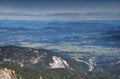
x=31, y=63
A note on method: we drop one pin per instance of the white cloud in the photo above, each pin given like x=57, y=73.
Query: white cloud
x=61, y=16
x=34, y=45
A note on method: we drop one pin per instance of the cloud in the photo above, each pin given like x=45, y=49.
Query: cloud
x=65, y=14
x=34, y=45
x=85, y=16
x=62, y=16
x=18, y=14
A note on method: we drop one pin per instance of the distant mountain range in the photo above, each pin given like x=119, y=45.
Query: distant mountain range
x=74, y=26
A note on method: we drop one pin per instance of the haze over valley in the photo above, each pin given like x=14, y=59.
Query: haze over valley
x=92, y=44
x=59, y=39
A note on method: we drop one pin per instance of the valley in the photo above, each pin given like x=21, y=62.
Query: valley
x=65, y=49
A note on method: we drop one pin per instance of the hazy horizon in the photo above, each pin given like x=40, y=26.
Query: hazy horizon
x=60, y=9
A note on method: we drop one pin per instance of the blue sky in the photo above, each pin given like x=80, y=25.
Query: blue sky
x=60, y=9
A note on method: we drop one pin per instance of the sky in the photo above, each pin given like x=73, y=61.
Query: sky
x=60, y=9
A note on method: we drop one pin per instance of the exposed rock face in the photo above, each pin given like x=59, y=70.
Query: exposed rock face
x=7, y=73
x=58, y=63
